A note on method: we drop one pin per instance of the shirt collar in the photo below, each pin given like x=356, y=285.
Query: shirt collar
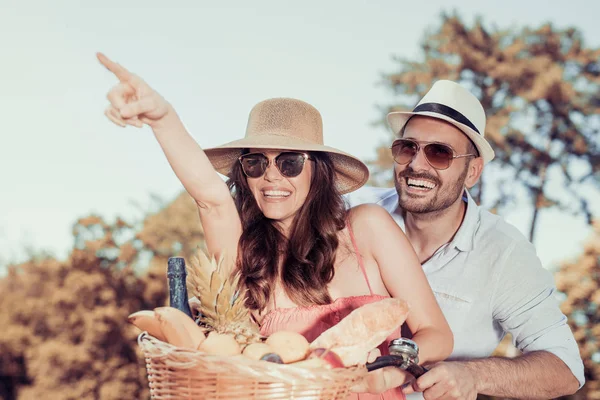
x=465, y=236
x=389, y=201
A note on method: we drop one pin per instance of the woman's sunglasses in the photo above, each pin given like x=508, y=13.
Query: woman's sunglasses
x=289, y=163
x=438, y=155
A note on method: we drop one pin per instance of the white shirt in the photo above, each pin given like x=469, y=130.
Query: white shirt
x=489, y=281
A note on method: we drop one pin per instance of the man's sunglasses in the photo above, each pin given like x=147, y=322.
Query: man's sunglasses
x=289, y=163
x=438, y=155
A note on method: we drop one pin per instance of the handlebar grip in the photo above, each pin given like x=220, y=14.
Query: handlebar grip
x=385, y=361
x=415, y=370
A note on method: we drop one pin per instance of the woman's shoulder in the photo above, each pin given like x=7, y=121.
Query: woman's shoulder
x=368, y=213
x=371, y=218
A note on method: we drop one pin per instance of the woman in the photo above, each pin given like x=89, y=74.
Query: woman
x=305, y=260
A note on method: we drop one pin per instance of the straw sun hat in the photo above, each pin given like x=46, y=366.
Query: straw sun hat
x=289, y=124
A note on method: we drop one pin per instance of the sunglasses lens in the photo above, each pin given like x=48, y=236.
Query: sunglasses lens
x=290, y=164
x=404, y=150
x=254, y=165
x=438, y=155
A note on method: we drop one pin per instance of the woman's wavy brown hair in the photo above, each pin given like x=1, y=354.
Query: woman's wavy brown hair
x=308, y=254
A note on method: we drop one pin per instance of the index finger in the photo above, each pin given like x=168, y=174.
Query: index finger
x=120, y=72
x=426, y=381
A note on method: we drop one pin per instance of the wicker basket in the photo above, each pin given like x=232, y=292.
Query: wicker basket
x=176, y=373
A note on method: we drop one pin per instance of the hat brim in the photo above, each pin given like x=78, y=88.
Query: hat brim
x=398, y=119
x=351, y=173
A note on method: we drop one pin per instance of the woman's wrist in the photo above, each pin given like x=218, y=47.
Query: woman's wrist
x=168, y=123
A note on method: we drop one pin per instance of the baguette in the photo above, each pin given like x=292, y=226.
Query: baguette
x=147, y=320
x=363, y=330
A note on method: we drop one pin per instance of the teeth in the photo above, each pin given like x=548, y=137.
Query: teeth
x=421, y=183
x=277, y=193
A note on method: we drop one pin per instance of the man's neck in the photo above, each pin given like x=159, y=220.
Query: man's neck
x=428, y=232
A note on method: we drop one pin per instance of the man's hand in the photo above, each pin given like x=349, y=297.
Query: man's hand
x=446, y=380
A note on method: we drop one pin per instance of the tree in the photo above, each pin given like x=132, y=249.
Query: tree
x=579, y=280
x=541, y=92
x=64, y=331
x=64, y=324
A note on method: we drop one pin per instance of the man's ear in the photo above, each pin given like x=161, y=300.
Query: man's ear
x=475, y=169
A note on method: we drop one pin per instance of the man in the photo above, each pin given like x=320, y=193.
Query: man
x=486, y=275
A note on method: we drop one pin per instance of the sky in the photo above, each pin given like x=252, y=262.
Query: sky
x=61, y=159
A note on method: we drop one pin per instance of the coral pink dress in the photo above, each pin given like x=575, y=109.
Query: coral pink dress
x=311, y=321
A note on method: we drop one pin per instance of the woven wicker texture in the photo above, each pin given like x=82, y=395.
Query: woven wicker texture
x=176, y=373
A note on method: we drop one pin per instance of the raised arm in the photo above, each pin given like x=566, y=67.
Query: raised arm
x=134, y=102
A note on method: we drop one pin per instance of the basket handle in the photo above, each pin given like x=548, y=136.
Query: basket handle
x=412, y=368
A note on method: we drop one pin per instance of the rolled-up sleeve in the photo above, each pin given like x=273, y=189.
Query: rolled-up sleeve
x=525, y=305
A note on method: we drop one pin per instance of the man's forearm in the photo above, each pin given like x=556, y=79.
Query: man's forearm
x=535, y=375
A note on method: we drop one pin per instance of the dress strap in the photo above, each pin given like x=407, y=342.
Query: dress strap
x=359, y=257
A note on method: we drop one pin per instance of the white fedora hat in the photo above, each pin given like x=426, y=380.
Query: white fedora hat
x=451, y=102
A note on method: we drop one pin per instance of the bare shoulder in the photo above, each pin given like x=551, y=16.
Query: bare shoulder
x=372, y=218
x=378, y=234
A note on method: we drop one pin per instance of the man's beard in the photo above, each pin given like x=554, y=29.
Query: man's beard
x=446, y=194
